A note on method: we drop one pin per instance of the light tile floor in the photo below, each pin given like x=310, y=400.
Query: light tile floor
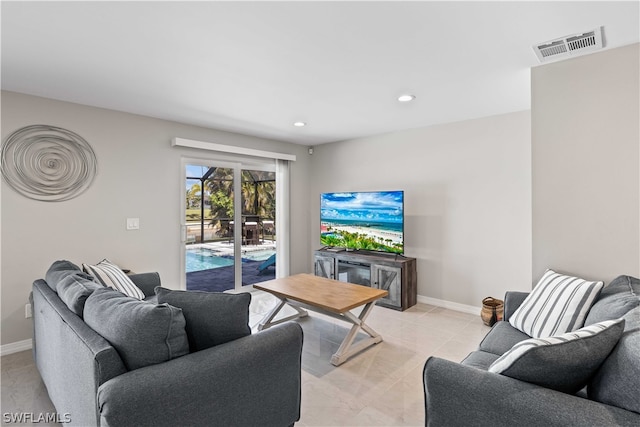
x=382, y=386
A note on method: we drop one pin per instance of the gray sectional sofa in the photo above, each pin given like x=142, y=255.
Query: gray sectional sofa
x=253, y=380
x=466, y=394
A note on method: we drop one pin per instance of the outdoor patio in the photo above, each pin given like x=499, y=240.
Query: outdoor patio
x=222, y=277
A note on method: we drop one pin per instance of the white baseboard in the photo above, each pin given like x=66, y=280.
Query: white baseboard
x=16, y=347
x=450, y=305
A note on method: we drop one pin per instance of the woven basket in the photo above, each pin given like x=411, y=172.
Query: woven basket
x=492, y=310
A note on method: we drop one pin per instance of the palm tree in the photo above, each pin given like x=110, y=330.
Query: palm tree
x=257, y=192
x=219, y=185
x=267, y=200
x=193, y=196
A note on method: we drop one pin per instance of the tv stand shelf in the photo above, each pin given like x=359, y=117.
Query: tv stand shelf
x=391, y=272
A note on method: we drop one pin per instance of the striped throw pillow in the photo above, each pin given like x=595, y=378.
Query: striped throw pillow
x=565, y=362
x=557, y=304
x=112, y=276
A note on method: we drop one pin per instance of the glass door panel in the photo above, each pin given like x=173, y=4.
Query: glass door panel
x=230, y=243
x=209, y=243
x=258, y=204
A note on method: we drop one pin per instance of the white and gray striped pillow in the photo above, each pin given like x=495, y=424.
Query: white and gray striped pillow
x=112, y=276
x=564, y=362
x=557, y=304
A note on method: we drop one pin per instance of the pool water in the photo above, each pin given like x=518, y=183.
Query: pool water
x=205, y=259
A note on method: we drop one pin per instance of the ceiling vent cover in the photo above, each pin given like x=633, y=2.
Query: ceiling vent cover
x=573, y=45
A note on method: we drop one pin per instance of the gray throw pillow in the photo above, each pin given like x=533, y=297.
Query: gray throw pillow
x=617, y=382
x=142, y=333
x=565, y=362
x=61, y=269
x=616, y=299
x=213, y=318
x=74, y=290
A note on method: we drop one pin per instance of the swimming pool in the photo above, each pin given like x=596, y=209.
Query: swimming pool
x=204, y=259
x=198, y=259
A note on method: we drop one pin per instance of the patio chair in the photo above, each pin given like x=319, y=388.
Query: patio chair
x=271, y=261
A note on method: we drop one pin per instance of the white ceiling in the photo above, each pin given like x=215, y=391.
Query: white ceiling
x=256, y=67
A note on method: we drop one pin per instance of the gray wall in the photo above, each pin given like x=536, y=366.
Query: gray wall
x=585, y=150
x=139, y=176
x=473, y=190
x=467, y=200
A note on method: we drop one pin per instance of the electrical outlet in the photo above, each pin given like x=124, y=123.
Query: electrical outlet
x=27, y=311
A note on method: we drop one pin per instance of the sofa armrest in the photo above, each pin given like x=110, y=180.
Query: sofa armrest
x=73, y=359
x=456, y=394
x=254, y=380
x=512, y=300
x=147, y=282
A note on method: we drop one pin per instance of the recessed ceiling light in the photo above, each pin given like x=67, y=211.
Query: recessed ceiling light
x=299, y=124
x=406, y=98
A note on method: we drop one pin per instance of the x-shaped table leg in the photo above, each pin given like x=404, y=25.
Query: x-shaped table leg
x=347, y=349
x=268, y=321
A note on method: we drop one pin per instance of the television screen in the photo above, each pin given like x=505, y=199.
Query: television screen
x=372, y=220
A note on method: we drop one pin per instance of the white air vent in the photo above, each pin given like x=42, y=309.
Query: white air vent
x=573, y=45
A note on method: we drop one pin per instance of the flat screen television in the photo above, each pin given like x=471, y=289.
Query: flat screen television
x=371, y=220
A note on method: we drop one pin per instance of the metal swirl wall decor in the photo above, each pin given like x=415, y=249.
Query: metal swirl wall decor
x=48, y=163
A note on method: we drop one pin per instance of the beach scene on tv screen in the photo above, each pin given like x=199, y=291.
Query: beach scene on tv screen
x=363, y=220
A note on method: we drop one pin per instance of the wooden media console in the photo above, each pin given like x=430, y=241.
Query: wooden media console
x=390, y=272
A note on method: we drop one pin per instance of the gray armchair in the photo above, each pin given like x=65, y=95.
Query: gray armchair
x=252, y=381
x=466, y=394
x=461, y=395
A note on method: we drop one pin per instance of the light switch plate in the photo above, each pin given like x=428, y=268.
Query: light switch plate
x=133, y=223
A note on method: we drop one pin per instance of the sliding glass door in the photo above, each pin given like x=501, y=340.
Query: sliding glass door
x=230, y=242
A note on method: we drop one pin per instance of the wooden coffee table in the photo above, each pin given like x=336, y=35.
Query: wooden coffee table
x=329, y=297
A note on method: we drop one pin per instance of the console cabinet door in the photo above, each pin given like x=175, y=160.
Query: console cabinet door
x=389, y=279
x=325, y=266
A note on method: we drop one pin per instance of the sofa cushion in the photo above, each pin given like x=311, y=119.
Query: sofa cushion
x=142, y=333
x=153, y=299
x=557, y=304
x=616, y=299
x=74, y=290
x=480, y=359
x=61, y=269
x=111, y=275
x=212, y=318
x=565, y=362
x=617, y=382
x=501, y=338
